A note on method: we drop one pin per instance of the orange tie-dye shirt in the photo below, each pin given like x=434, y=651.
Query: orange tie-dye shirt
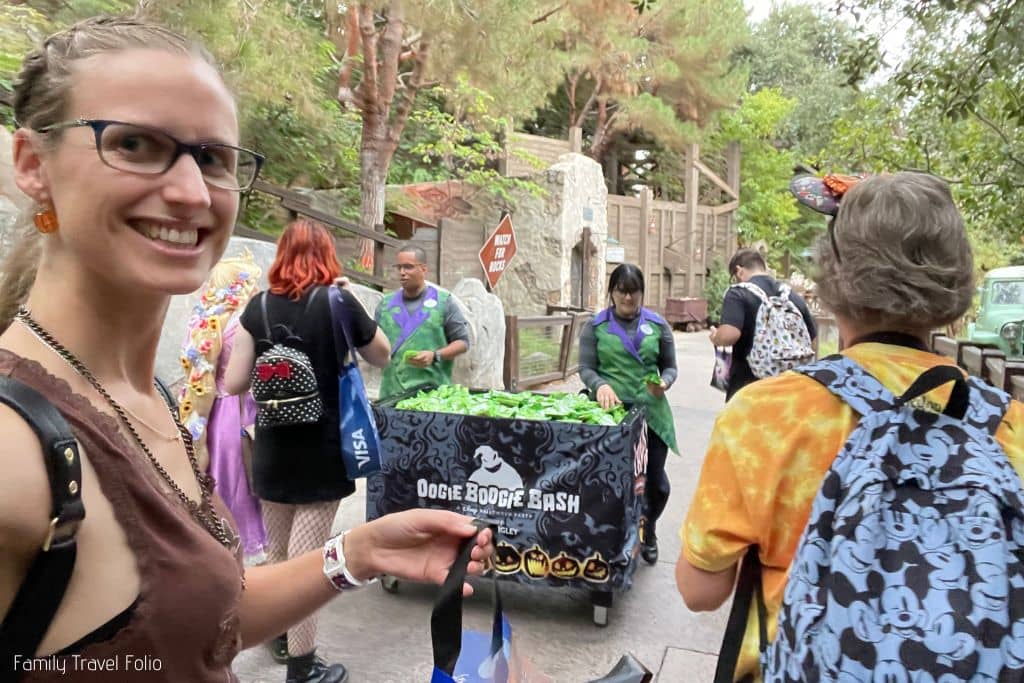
x=769, y=451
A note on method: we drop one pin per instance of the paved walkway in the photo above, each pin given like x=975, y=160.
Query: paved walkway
x=385, y=638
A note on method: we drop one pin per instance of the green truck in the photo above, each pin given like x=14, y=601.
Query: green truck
x=1000, y=320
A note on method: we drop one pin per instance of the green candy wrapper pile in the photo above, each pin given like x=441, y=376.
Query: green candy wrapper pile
x=558, y=407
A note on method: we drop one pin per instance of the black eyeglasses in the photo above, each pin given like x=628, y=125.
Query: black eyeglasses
x=149, y=151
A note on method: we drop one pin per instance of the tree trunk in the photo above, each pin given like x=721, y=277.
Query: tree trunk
x=375, y=154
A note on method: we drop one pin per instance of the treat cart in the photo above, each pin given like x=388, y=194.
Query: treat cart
x=567, y=497
x=691, y=314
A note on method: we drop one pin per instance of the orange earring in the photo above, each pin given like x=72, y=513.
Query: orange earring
x=46, y=221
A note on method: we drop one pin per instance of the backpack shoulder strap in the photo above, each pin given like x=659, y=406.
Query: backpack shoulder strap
x=36, y=602
x=849, y=381
x=987, y=407
x=266, y=318
x=753, y=289
x=309, y=301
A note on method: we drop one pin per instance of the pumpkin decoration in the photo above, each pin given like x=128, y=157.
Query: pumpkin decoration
x=595, y=569
x=506, y=559
x=565, y=567
x=536, y=563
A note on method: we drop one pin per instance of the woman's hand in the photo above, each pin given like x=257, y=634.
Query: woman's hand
x=418, y=545
x=607, y=397
x=657, y=390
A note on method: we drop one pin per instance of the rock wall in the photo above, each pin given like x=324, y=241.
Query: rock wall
x=548, y=228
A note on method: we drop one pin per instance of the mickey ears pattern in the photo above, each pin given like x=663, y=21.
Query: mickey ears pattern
x=822, y=194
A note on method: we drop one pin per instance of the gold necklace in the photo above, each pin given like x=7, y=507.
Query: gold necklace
x=176, y=436
x=203, y=511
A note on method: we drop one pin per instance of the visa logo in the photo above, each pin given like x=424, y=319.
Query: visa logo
x=361, y=449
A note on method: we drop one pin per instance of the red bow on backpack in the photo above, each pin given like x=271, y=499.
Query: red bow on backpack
x=268, y=371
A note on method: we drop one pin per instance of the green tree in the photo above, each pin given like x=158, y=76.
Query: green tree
x=798, y=50
x=392, y=50
x=767, y=210
x=660, y=69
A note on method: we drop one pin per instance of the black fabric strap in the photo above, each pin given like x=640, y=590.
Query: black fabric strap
x=446, y=619
x=165, y=393
x=40, y=594
x=266, y=319
x=935, y=377
x=747, y=587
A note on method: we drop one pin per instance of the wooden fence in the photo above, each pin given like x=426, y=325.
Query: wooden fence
x=984, y=361
x=675, y=244
x=542, y=349
x=343, y=231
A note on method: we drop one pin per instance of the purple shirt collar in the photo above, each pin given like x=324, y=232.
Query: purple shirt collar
x=631, y=344
x=408, y=322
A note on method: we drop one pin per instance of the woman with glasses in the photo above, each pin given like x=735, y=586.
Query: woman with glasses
x=628, y=356
x=298, y=471
x=128, y=147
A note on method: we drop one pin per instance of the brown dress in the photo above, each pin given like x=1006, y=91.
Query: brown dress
x=184, y=625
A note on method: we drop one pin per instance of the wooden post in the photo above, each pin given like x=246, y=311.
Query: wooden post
x=645, y=220
x=576, y=139
x=440, y=255
x=732, y=177
x=378, y=253
x=585, y=269
x=511, y=352
x=692, y=188
x=504, y=161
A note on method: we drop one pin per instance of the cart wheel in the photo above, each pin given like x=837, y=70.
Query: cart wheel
x=600, y=615
x=389, y=584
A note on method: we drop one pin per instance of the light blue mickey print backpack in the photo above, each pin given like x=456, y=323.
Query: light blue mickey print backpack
x=910, y=568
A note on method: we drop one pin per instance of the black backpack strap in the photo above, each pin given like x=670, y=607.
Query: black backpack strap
x=309, y=302
x=165, y=393
x=33, y=608
x=266, y=319
x=747, y=588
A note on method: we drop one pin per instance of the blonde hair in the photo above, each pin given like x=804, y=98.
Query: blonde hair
x=903, y=260
x=42, y=93
x=232, y=282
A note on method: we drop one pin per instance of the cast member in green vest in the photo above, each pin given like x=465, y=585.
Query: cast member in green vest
x=422, y=319
x=621, y=349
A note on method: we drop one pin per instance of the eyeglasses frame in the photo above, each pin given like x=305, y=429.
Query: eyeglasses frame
x=192, y=149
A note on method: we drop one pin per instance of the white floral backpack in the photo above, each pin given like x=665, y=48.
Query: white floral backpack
x=781, y=340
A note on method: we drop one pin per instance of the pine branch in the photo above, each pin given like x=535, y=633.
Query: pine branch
x=598, y=84
x=547, y=15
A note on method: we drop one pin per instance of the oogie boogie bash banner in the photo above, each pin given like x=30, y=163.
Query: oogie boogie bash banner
x=567, y=497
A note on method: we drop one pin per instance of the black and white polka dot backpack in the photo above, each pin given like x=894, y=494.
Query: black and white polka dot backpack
x=283, y=382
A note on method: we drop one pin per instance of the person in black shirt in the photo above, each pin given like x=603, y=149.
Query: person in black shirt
x=739, y=314
x=298, y=471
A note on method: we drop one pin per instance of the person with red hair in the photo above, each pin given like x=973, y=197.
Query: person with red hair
x=297, y=470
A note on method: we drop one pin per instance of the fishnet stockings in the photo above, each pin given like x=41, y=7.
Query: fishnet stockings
x=291, y=531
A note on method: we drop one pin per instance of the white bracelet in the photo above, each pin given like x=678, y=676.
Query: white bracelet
x=335, y=567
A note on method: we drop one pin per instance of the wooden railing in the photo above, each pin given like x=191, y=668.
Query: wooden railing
x=542, y=349
x=984, y=361
x=299, y=204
